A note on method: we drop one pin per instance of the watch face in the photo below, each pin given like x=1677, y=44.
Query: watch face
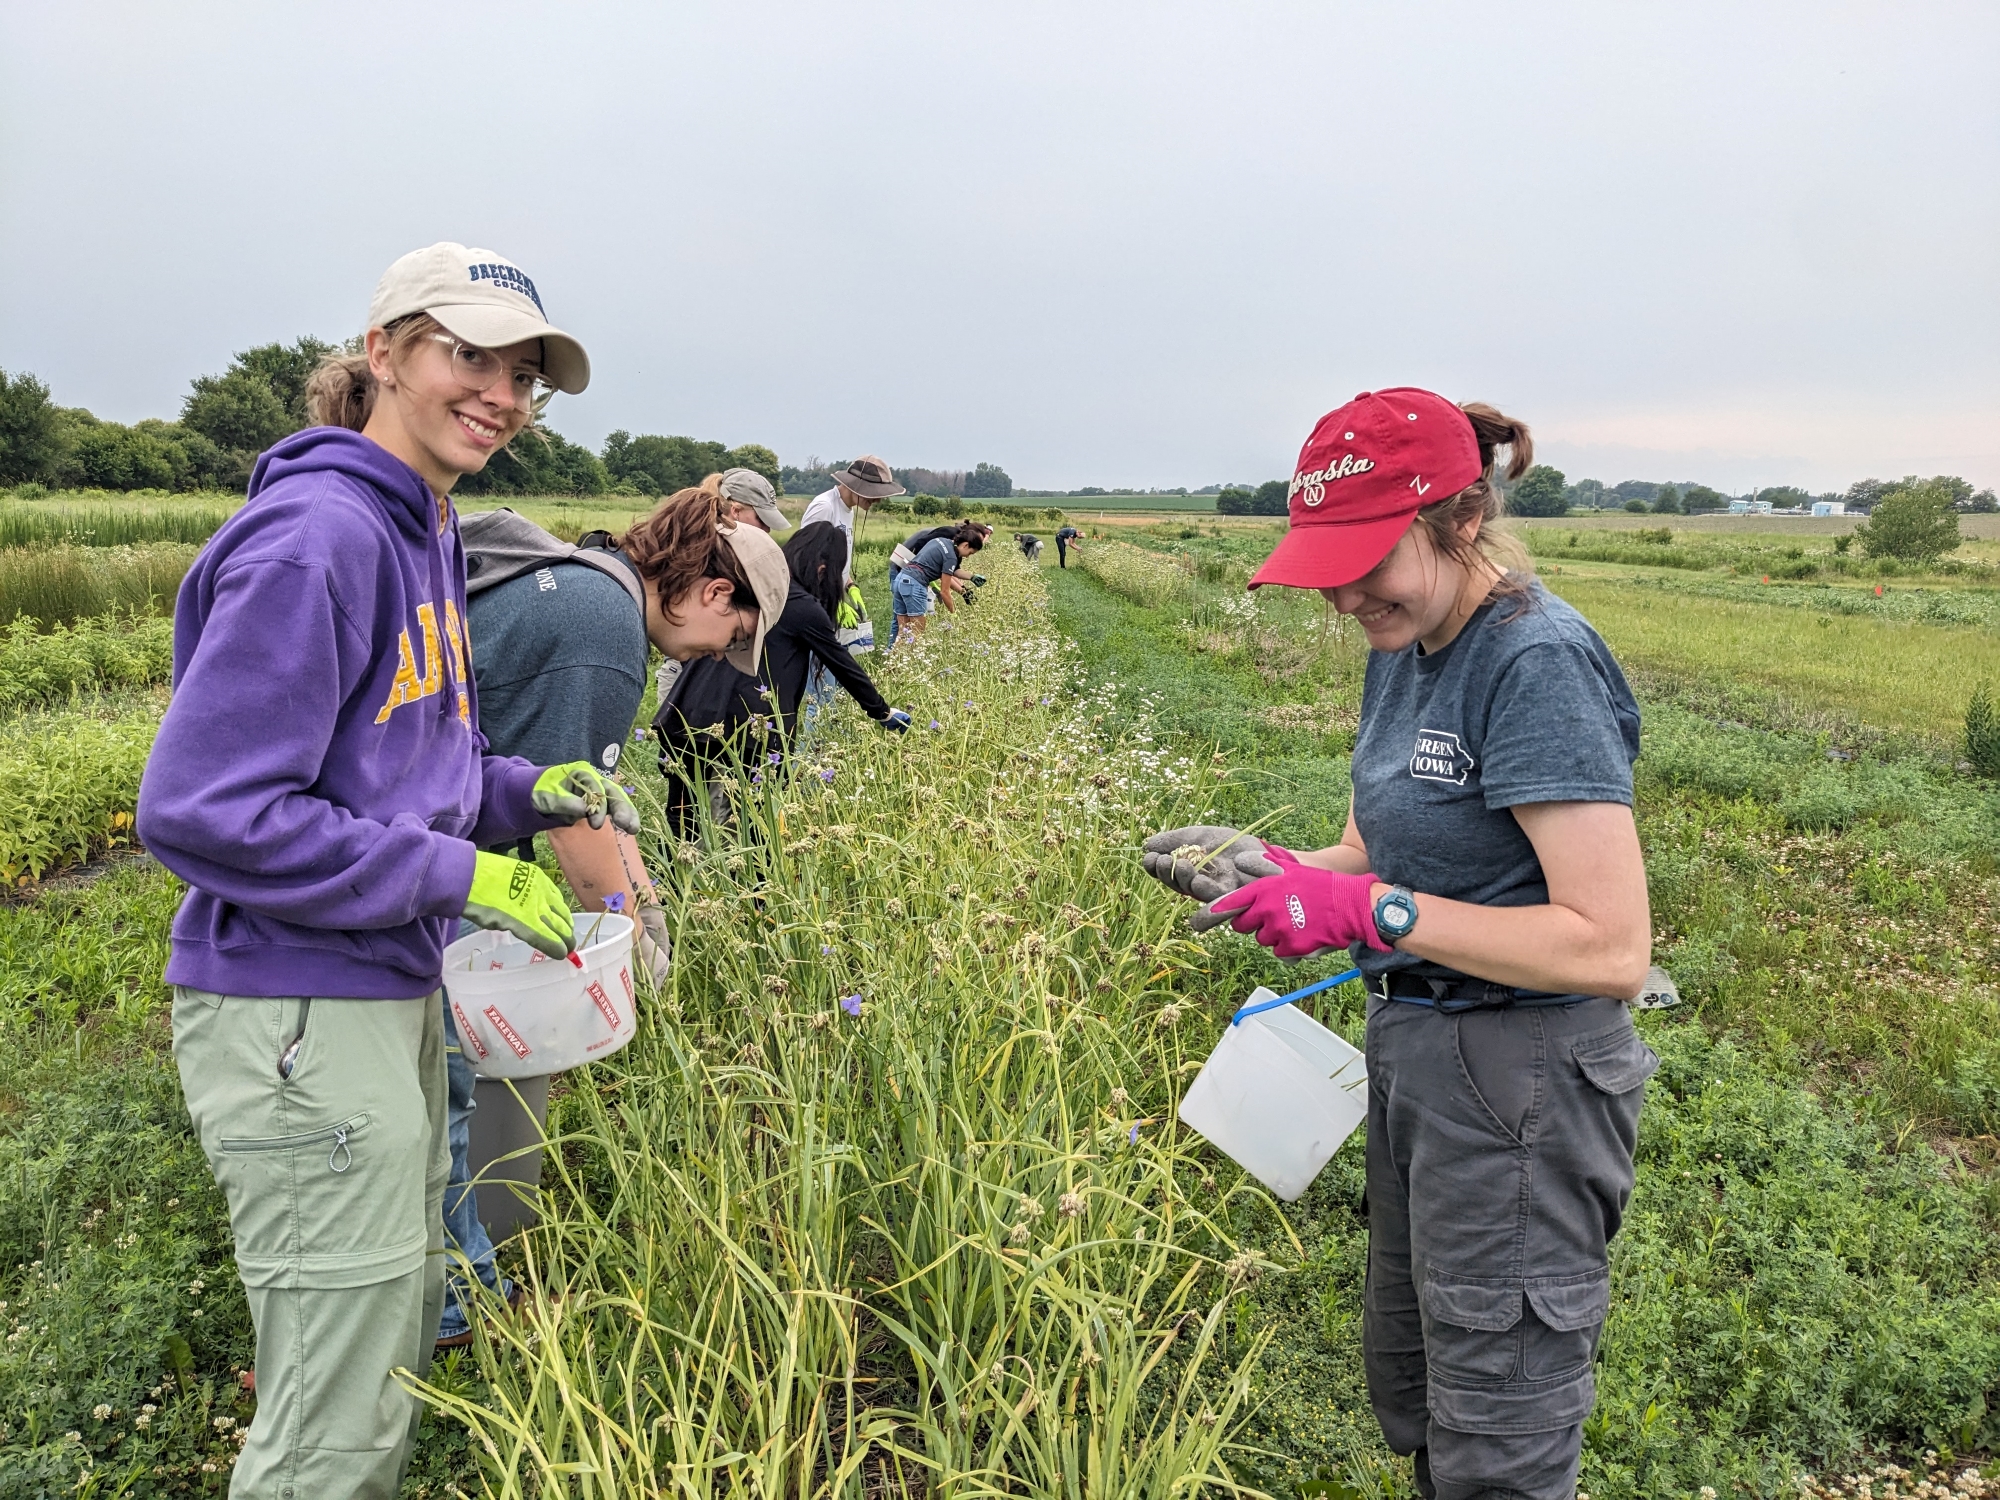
x=1397, y=914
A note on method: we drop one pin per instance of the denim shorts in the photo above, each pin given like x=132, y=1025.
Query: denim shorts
x=911, y=595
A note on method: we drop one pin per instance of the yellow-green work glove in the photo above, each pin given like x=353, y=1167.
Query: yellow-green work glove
x=513, y=896
x=579, y=792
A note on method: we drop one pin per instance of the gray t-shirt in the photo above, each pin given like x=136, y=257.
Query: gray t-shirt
x=559, y=656
x=1525, y=705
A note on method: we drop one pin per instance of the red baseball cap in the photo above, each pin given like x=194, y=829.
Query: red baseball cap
x=1363, y=475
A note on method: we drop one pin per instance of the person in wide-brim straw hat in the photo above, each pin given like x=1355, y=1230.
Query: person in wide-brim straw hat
x=1491, y=888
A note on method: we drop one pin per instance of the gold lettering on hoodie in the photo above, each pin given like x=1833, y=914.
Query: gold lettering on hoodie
x=456, y=635
x=408, y=687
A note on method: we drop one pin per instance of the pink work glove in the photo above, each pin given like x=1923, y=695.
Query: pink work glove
x=1303, y=910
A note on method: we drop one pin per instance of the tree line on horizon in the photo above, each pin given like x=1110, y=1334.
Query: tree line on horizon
x=1545, y=491
x=227, y=420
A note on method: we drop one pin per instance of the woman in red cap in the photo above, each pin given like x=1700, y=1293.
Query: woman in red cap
x=1491, y=888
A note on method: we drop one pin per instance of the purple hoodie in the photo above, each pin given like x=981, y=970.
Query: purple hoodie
x=318, y=779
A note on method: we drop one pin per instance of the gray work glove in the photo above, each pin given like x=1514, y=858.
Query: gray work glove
x=655, y=950
x=1205, y=863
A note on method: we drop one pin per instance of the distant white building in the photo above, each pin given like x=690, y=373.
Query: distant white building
x=1749, y=507
x=1829, y=507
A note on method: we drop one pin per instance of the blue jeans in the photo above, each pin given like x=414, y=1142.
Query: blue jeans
x=893, y=571
x=464, y=1234
x=909, y=594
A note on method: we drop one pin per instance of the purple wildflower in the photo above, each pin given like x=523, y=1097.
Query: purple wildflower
x=851, y=1004
x=773, y=757
x=827, y=776
x=1133, y=1138
x=615, y=902
x=936, y=725
x=824, y=950
x=756, y=778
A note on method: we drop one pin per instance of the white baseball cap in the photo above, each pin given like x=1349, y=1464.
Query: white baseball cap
x=482, y=298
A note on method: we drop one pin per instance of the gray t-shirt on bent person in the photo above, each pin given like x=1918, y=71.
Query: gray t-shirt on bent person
x=1526, y=705
x=559, y=656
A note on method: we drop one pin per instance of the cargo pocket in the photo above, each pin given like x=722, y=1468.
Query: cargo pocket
x=1512, y=1356
x=1618, y=1063
x=1472, y=1328
x=323, y=1207
x=1561, y=1337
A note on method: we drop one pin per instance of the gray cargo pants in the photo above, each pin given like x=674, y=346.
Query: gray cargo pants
x=1499, y=1165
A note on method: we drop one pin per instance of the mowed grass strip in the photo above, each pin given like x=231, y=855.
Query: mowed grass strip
x=1912, y=677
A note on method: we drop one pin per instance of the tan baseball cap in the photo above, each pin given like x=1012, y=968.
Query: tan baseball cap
x=763, y=563
x=482, y=298
x=748, y=487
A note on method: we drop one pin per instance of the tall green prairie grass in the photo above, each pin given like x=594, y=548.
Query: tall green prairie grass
x=64, y=584
x=127, y=524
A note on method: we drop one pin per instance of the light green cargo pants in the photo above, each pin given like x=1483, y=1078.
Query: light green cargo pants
x=335, y=1178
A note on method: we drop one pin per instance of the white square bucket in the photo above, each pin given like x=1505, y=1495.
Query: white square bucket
x=1279, y=1093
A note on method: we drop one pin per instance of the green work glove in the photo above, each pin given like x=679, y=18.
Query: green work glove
x=1205, y=863
x=513, y=896
x=579, y=792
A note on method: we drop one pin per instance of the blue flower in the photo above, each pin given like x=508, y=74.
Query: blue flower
x=851, y=1004
x=773, y=757
x=756, y=778
x=615, y=901
x=827, y=776
x=824, y=949
x=1133, y=1138
x=936, y=725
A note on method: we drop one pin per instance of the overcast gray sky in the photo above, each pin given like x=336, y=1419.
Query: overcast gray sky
x=1096, y=243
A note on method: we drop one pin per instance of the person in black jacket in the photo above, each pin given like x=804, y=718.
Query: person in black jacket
x=714, y=713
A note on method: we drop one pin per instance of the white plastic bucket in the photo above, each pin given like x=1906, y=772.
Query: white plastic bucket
x=522, y=1014
x=1278, y=1094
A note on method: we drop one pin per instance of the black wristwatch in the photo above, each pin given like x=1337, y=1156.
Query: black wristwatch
x=1395, y=914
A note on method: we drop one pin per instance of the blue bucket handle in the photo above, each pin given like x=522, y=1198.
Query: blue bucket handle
x=1311, y=989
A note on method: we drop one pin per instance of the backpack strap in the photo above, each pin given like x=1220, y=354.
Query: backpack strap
x=502, y=544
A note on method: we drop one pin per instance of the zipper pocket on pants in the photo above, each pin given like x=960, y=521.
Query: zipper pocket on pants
x=339, y=1157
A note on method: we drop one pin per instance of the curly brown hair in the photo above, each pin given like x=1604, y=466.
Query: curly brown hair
x=681, y=543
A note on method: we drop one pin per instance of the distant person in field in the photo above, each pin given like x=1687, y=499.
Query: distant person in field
x=1066, y=537
x=321, y=784
x=1490, y=887
x=937, y=563
x=860, y=486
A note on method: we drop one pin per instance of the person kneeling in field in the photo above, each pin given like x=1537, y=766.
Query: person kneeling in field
x=1491, y=888
x=937, y=562
x=320, y=783
x=559, y=645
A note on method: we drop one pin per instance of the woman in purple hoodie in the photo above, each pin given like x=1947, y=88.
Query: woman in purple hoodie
x=321, y=785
